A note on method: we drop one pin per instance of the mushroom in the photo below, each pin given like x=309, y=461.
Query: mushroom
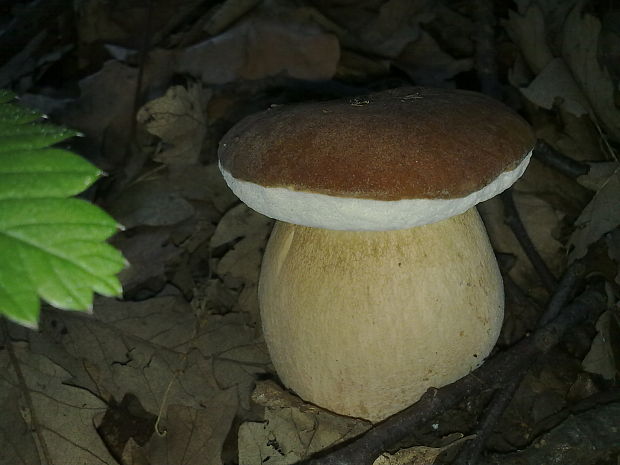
x=378, y=281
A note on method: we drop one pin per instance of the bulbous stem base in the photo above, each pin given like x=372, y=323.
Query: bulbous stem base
x=363, y=323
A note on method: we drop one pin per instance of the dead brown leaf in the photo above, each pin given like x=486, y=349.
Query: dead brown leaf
x=581, y=439
x=540, y=396
x=428, y=65
x=580, y=50
x=203, y=183
x=190, y=436
x=126, y=23
x=555, y=85
x=260, y=47
x=527, y=28
x=105, y=109
x=149, y=252
x=292, y=430
x=151, y=202
x=418, y=455
x=602, y=214
x=189, y=371
x=602, y=359
x=179, y=120
x=58, y=425
x=382, y=29
x=248, y=231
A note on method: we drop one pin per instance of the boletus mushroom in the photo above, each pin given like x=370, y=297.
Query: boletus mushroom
x=378, y=280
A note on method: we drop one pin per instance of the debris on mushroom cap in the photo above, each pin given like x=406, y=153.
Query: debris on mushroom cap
x=423, y=154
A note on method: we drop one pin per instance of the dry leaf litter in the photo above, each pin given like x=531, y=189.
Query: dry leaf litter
x=177, y=371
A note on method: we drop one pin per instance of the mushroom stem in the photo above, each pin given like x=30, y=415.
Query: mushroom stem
x=363, y=323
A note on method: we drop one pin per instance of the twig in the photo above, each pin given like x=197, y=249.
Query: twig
x=565, y=165
x=496, y=372
x=562, y=294
x=23, y=386
x=513, y=220
x=471, y=450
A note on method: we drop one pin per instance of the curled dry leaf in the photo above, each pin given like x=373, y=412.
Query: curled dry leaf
x=538, y=399
x=554, y=187
x=428, y=65
x=355, y=66
x=149, y=252
x=151, y=202
x=125, y=24
x=383, y=29
x=104, y=109
x=58, y=426
x=396, y=24
x=554, y=84
x=574, y=79
x=527, y=29
x=260, y=47
x=138, y=347
x=292, y=430
x=453, y=29
x=580, y=47
x=193, y=436
x=419, y=455
x=204, y=183
x=602, y=359
x=581, y=439
x=602, y=214
x=244, y=232
x=247, y=232
x=179, y=120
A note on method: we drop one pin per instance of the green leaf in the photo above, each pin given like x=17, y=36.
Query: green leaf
x=31, y=136
x=44, y=173
x=6, y=95
x=14, y=114
x=51, y=246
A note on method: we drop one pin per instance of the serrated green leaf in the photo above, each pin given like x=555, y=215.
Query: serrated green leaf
x=24, y=218
x=32, y=136
x=11, y=113
x=6, y=95
x=55, y=250
x=51, y=246
x=44, y=173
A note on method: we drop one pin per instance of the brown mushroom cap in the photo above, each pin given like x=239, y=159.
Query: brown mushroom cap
x=406, y=143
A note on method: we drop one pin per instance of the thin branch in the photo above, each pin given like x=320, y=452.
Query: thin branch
x=25, y=390
x=558, y=161
x=565, y=289
x=471, y=450
x=513, y=220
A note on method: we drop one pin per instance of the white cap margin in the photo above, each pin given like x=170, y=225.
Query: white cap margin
x=354, y=214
